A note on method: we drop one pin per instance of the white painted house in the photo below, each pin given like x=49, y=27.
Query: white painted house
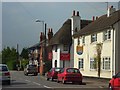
x=104, y=31
x=62, y=42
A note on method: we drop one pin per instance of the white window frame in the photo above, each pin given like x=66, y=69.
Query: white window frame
x=106, y=63
x=107, y=35
x=93, y=61
x=80, y=63
x=94, y=37
x=78, y=41
x=83, y=40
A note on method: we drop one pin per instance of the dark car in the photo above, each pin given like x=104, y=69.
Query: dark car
x=31, y=69
x=4, y=74
x=52, y=73
x=69, y=75
x=114, y=83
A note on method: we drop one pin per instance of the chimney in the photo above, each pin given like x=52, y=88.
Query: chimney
x=96, y=17
x=93, y=18
x=77, y=13
x=41, y=36
x=50, y=34
x=73, y=12
x=111, y=10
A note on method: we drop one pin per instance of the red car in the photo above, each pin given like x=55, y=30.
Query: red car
x=69, y=75
x=52, y=73
x=114, y=83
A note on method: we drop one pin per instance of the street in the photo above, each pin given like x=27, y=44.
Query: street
x=19, y=80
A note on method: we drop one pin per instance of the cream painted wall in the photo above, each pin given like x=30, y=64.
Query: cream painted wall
x=89, y=51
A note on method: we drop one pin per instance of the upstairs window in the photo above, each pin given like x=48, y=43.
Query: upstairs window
x=83, y=39
x=93, y=38
x=78, y=40
x=107, y=35
x=65, y=47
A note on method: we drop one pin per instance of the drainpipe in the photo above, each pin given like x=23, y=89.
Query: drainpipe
x=113, y=53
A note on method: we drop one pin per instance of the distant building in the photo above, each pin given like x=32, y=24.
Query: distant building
x=62, y=43
x=103, y=31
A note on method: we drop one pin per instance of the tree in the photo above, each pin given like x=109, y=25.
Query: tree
x=9, y=57
x=98, y=57
x=24, y=53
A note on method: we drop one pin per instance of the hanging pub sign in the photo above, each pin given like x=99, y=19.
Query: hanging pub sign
x=50, y=56
x=64, y=56
x=79, y=50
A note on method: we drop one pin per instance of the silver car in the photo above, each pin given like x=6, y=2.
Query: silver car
x=31, y=69
x=4, y=74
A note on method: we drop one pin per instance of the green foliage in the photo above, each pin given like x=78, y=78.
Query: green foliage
x=9, y=57
x=24, y=62
x=24, y=53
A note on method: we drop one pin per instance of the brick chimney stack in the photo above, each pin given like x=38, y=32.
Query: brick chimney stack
x=41, y=36
x=50, y=33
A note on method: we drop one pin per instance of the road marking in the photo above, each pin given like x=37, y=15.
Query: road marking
x=101, y=87
x=36, y=83
x=46, y=86
x=27, y=81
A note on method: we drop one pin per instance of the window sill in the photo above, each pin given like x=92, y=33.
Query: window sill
x=93, y=69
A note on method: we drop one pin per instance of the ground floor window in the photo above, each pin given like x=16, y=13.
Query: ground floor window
x=93, y=63
x=106, y=63
x=80, y=63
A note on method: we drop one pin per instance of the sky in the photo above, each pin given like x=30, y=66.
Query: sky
x=19, y=24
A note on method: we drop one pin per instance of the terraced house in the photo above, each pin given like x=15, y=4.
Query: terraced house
x=96, y=46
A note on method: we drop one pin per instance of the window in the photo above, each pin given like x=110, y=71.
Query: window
x=93, y=63
x=78, y=41
x=93, y=37
x=106, y=63
x=65, y=48
x=80, y=63
x=107, y=35
x=83, y=40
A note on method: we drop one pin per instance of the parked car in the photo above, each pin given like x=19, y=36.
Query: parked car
x=31, y=69
x=114, y=83
x=69, y=75
x=52, y=73
x=4, y=74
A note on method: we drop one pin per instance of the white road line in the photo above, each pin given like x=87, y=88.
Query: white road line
x=27, y=81
x=46, y=86
x=36, y=83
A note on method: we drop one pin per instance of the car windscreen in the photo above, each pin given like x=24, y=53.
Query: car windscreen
x=32, y=66
x=72, y=70
x=3, y=68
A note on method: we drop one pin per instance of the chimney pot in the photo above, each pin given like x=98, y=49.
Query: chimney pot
x=93, y=18
x=96, y=17
x=77, y=13
x=73, y=12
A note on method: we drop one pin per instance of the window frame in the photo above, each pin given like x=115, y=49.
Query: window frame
x=94, y=37
x=80, y=63
x=106, y=60
x=107, y=35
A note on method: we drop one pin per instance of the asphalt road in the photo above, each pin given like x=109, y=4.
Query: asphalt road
x=20, y=81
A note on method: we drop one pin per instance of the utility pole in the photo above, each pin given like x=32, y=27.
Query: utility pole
x=107, y=5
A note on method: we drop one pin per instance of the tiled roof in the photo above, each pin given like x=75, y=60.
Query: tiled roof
x=100, y=24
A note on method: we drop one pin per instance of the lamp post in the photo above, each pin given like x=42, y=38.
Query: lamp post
x=42, y=22
x=42, y=62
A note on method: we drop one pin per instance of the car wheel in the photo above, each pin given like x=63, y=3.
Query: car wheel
x=110, y=87
x=63, y=81
x=8, y=82
x=80, y=82
x=58, y=81
x=47, y=78
x=51, y=79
